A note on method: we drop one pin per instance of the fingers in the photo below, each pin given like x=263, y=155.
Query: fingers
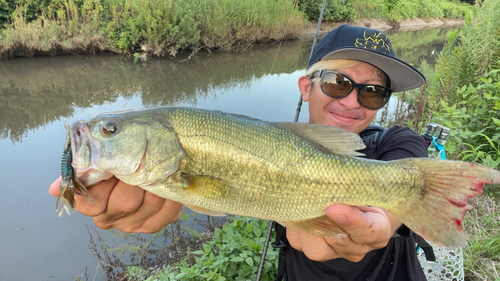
x=125, y=207
x=365, y=225
x=368, y=228
x=153, y=214
x=54, y=187
x=100, y=194
x=314, y=247
x=151, y=218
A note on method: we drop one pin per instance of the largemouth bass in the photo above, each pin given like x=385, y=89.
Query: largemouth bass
x=217, y=163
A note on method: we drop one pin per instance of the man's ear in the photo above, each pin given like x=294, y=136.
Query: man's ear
x=305, y=87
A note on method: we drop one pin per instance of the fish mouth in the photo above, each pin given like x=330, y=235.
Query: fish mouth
x=86, y=154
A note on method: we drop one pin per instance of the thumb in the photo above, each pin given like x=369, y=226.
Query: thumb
x=343, y=215
x=54, y=187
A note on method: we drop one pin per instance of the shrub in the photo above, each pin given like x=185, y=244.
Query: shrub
x=233, y=254
x=474, y=121
x=335, y=10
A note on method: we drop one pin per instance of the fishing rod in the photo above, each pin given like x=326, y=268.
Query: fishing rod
x=297, y=113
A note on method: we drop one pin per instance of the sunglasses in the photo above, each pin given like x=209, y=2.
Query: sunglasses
x=337, y=85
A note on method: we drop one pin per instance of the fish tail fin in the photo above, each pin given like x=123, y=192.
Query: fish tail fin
x=447, y=186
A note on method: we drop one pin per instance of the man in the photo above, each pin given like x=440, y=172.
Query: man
x=350, y=76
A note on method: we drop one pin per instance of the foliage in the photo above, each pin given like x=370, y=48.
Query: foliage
x=397, y=10
x=30, y=9
x=474, y=120
x=159, y=27
x=478, y=155
x=163, y=27
x=65, y=30
x=233, y=254
x=336, y=10
x=463, y=91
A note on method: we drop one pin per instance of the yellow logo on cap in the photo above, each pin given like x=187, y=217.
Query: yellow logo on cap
x=375, y=41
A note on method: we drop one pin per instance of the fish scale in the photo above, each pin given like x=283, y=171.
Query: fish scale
x=216, y=163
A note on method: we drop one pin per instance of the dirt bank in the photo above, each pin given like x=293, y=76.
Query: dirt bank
x=382, y=25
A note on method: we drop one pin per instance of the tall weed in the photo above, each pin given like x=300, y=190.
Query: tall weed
x=64, y=29
x=159, y=27
x=463, y=91
x=397, y=10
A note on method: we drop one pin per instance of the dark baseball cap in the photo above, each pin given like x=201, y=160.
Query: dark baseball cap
x=370, y=46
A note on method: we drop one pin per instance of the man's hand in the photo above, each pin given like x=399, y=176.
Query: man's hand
x=368, y=228
x=125, y=207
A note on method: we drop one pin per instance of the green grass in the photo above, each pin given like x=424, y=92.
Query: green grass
x=482, y=254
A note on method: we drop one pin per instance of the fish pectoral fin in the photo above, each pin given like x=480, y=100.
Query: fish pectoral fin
x=335, y=139
x=206, y=186
x=320, y=226
x=201, y=210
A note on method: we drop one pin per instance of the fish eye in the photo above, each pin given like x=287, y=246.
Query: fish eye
x=108, y=129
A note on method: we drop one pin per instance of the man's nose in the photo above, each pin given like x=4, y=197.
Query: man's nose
x=351, y=101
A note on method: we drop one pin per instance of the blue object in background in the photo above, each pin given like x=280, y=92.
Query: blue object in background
x=439, y=148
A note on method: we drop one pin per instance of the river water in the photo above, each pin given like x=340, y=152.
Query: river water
x=36, y=94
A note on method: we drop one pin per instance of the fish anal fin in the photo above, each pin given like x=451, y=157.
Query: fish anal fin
x=335, y=139
x=201, y=210
x=320, y=226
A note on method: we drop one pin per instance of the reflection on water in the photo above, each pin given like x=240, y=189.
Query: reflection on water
x=37, y=93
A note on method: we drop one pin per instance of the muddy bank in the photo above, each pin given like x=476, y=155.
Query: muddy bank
x=381, y=24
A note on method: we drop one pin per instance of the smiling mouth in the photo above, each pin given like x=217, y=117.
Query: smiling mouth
x=343, y=118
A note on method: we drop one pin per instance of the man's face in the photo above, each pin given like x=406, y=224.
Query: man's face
x=345, y=113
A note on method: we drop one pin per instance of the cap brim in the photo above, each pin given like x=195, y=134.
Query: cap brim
x=402, y=75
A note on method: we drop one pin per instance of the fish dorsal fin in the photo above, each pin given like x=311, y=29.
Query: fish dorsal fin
x=320, y=226
x=335, y=139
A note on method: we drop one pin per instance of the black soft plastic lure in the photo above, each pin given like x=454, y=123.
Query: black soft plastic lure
x=69, y=185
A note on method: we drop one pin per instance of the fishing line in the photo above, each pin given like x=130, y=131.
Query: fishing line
x=272, y=223
x=283, y=36
x=299, y=105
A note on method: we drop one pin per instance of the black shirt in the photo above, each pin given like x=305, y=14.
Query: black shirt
x=395, y=262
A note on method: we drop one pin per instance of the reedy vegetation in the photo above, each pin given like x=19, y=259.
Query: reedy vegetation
x=159, y=27
x=163, y=27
